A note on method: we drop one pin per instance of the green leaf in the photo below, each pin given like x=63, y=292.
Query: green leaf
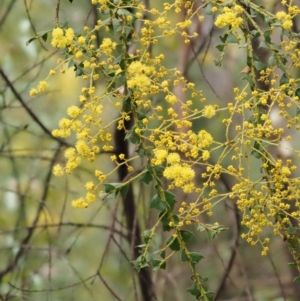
x=186, y=235
x=284, y=79
x=123, y=11
x=147, y=235
x=208, y=8
x=224, y=38
x=255, y=34
x=132, y=136
x=217, y=63
x=157, y=203
x=267, y=35
x=220, y=47
x=165, y=220
x=173, y=243
x=170, y=199
x=195, y=257
x=297, y=280
x=194, y=290
x=146, y=177
x=108, y=188
x=201, y=228
x=159, y=169
x=297, y=93
x=124, y=190
x=264, y=44
x=259, y=65
x=232, y=39
x=184, y=255
x=271, y=60
x=45, y=36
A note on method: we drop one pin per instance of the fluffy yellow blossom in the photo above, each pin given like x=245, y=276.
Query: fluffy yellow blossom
x=73, y=111
x=42, y=86
x=285, y=171
x=160, y=155
x=89, y=185
x=181, y=175
x=280, y=15
x=78, y=54
x=209, y=111
x=80, y=203
x=107, y=46
x=61, y=39
x=58, y=170
x=90, y=197
x=173, y=158
x=206, y=155
x=205, y=139
x=229, y=18
x=81, y=40
x=33, y=92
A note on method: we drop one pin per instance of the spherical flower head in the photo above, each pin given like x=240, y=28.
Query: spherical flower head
x=173, y=158
x=81, y=40
x=42, y=86
x=80, y=203
x=57, y=33
x=89, y=185
x=171, y=99
x=209, y=111
x=73, y=111
x=90, y=197
x=287, y=24
x=69, y=36
x=206, y=155
x=33, y=92
x=280, y=15
x=205, y=139
x=58, y=39
x=70, y=153
x=160, y=155
x=107, y=46
x=58, y=170
x=286, y=171
x=78, y=54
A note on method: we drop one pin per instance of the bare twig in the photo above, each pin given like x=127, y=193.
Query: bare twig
x=28, y=110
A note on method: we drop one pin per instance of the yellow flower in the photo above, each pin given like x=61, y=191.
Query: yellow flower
x=57, y=170
x=205, y=139
x=285, y=171
x=80, y=203
x=209, y=111
x=173, y=158
x=160, y=155
x=42, y=86
x=81, y=40
x=280, y=15
x=73, y=111
x=33, y=92
x=206, y=155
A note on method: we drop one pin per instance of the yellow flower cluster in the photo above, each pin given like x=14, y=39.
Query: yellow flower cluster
x=230, y=17
x=285, y=18
x=42, y=86
x=138, y=75
x=181, y=175
x=62, y=38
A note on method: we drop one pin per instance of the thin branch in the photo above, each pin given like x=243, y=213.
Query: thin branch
x=57, y=13
x=27, y=109
x=51, y=289
x=109, y=288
